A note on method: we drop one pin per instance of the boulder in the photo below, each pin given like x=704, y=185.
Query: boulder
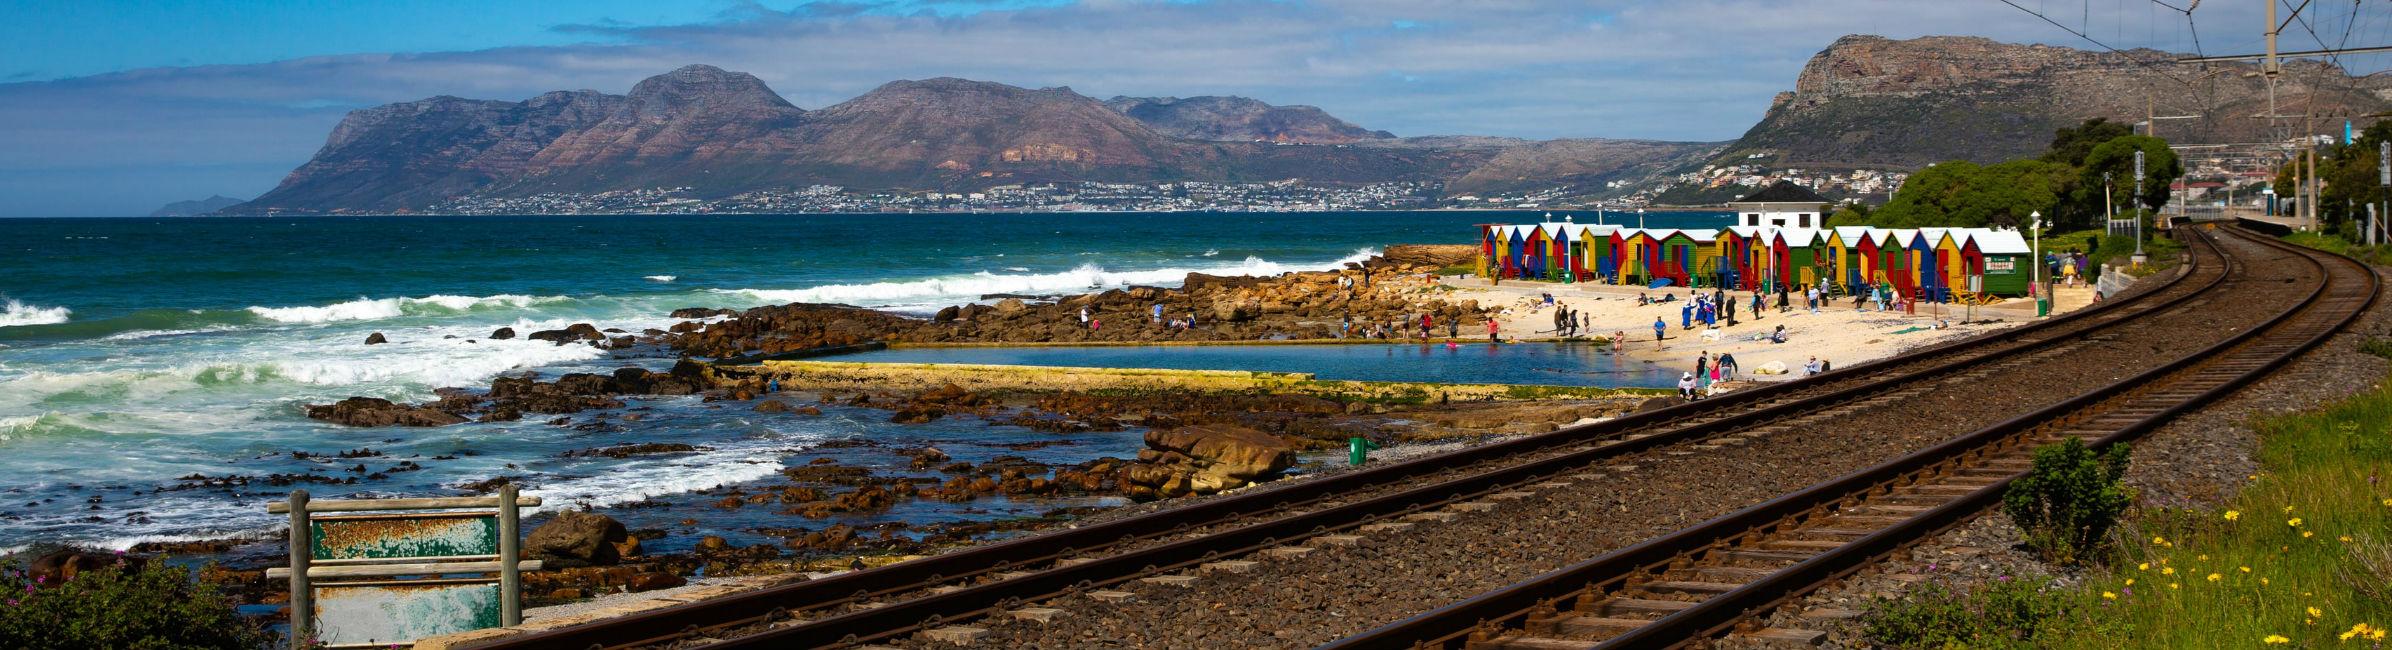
x=574, y=539
x=502, y=334
x=1011, y=306
x=378, y=412
x=1203, y=460
x=772, y=406
x=947, y=315
x=375, y=339
x=654, y=580
x=62, y=564
x=702, y=312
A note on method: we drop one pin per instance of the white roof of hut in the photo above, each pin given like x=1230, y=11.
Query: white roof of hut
x=2000, y=242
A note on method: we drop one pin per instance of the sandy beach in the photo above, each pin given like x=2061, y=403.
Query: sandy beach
x=1838, y=334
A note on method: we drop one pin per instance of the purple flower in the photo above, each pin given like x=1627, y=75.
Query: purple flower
x=2005, y=578
x=2126, y=591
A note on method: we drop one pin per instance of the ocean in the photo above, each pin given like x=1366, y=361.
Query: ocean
x=137, y=352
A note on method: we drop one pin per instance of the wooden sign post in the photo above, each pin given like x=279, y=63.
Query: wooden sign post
x=388, y=578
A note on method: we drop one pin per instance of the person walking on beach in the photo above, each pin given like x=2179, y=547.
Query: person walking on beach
x=1491, y=332
x=1158, y=313
x=1816, y=298
x=1686, y=315
x=1782, y=306
x=1660, y=329
x=1083, y=315
x=1756, y=304
x=1728, y=309
x=1702, y=365
x=1453, y=328
x=1428, y=325
x=1618, y=338
x=1725, y=365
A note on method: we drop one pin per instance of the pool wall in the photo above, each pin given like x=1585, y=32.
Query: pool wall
x=856, y=375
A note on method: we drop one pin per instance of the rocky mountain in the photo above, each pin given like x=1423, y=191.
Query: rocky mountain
x=1869, y=101
x=722, y=133
x=1238, y=119
x=195, y=208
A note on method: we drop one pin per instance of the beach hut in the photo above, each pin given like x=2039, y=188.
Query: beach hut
x=1560, y=265
x=1900, y=261
x=1679, y=257
x=1949, y=258
x=1703, y=258
x=2000, y=256
x=1735, y=256
x=1868, y=266
x=1486, y=248
x=1847, y=242
x=1927, y=272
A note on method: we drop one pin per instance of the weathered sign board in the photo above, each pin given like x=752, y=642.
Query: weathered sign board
x=400, y=573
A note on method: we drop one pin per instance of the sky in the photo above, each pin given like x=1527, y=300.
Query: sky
x=115, y=107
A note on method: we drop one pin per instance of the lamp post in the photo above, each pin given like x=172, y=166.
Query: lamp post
x=2138, y=205
x=1640, y=218
x=2035, y=259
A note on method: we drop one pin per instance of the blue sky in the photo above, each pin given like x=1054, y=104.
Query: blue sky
x=111, y=108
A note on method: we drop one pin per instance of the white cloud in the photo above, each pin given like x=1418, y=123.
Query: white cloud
x=1684, y=69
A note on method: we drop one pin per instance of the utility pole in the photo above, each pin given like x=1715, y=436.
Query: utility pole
x=2383, y=181
x=2137, y=202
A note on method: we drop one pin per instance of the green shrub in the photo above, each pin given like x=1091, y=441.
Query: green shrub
x=2068, y=502
x=154, y=606
x=2381, y=347
x=2000, y=614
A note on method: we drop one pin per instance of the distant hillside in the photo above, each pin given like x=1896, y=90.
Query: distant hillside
x=1868, y=101
x=722, y=133
x=195, y=208
x=1239, y=119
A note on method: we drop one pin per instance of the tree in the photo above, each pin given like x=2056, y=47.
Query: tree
x=2070, y=145
x=1966, y=195
x=2117, y=158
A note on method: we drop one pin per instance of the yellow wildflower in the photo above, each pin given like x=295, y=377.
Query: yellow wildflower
x=2344, y=539
x=2275, y=639
x=2112, y=595
x=2375, y=634
x=2315, y=612
x=2293, y=522
x=2354, y=630
x=2246, y=569
x=2155, y=539
x=2130, y=582
x=2288, y=510
x=2232, y=515
x=2168, y=571
x=2174, y=586
x=2146, y=566
x=2306, y=534
x=2263, y=582
x=2214, y=577
x=2388, y=503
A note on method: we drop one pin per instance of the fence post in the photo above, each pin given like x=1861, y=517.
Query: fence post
x=510, y=551
x=303, y=597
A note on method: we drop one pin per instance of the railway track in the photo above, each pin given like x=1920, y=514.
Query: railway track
x=1719, y=577
x=923, y=594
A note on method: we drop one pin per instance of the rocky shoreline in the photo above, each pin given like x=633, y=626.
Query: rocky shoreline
x=1195, y=442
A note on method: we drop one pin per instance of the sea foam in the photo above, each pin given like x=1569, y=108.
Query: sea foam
x=15, y=313
x=381, y=308
x=931, y=293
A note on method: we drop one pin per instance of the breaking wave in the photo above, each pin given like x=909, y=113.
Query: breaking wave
x=380, y=308
x=15, y=313
x=660, y=278
x=931, y=293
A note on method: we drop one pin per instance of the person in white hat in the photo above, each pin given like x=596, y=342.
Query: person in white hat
x=1686, y=386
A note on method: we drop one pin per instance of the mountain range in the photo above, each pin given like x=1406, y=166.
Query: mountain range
x=1863, y=102
x=720, y=133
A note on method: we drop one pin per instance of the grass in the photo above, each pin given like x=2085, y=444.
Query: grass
x=2162, y=251
x=2333, y=243
x=2301, y=556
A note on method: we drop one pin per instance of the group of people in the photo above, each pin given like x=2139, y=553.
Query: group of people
x=2066, y=266
x=1709, y=309
x=1568, y=322
x=1423, y=327
x=1707, y=371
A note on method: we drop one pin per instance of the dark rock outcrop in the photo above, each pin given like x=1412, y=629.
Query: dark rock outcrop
x=574, y=539
x=378, y=412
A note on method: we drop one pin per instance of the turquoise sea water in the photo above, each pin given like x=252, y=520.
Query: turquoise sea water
x=135, y=351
